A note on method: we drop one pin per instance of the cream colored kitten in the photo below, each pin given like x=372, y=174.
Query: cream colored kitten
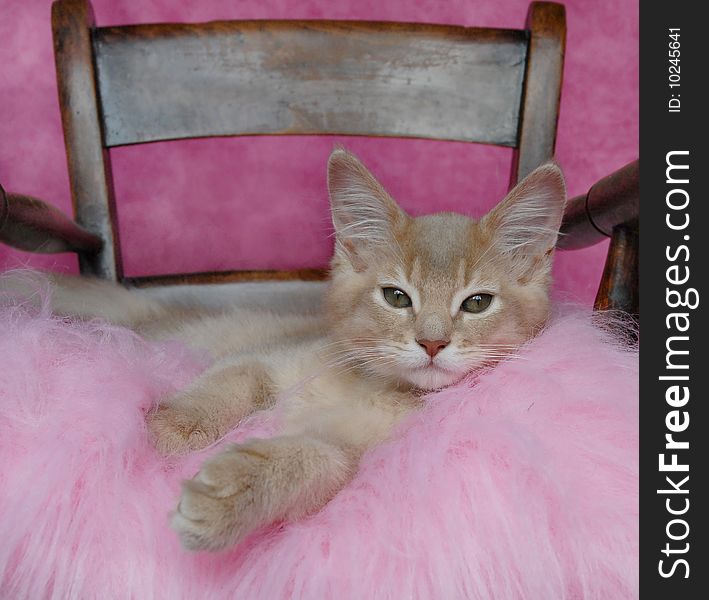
x=413, y=304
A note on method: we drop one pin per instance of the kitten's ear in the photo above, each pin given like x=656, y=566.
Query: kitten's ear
x=364, y=215
x=526, y=223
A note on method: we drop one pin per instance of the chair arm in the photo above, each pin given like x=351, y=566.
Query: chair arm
x=611, y=201
x=30, y=224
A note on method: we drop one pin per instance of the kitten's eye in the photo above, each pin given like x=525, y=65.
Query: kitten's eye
x=396, y=297
x=476, y=303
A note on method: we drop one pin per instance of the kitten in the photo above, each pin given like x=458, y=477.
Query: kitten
x=413, y=305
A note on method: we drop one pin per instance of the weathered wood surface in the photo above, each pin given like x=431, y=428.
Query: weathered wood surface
x=170, y=81
x=611, y=208
x=32, y=225
x=87, y=157
x=619, y=284
x=613, y=200
x=226, y=277
x=546, y=23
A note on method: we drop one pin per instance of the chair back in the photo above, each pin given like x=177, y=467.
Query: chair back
x=145, y=83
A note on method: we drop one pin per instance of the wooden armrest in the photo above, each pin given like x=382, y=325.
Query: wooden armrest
x=30, y=224
x=614, y=200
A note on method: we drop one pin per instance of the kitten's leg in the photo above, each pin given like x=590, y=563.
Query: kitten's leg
x=210, y=407
x=257, y=483
x=263, y=481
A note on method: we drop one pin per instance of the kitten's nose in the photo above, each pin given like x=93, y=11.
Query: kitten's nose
x=432, y=347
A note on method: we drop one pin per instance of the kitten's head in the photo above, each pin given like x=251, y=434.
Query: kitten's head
x=424, y=301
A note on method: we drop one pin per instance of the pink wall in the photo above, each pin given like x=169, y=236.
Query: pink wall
x=261, y=202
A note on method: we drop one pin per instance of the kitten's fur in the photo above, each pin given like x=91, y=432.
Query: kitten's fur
x=358, y=371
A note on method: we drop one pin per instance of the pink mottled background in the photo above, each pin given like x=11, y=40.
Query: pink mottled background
x=261, y=202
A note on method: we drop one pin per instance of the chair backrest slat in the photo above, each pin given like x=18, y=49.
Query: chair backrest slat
x=171, y=81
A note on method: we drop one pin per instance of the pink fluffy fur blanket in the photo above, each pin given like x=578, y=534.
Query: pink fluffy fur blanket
x=518, y=483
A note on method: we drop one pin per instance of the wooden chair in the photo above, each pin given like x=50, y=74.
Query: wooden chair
x=145, y=83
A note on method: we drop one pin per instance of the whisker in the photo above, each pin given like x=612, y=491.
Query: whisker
x=357, y=365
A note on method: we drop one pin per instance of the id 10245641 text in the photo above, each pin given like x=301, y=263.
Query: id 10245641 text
x=673, y=70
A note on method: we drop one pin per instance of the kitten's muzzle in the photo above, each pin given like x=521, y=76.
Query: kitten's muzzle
x=432, y=347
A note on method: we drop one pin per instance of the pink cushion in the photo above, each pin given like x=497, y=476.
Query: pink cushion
x=519, y=483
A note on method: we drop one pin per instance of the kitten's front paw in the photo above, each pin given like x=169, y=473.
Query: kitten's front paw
x=224, y=501
x=256, y=483
x=176, y=429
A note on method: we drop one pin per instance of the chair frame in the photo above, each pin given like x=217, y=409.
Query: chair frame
x=516, y=105
x=80, y=48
